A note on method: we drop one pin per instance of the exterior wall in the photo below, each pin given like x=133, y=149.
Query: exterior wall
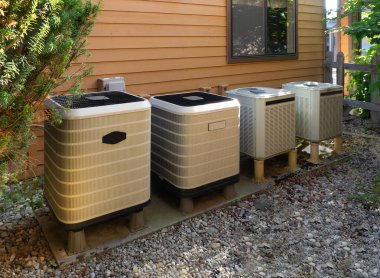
x=347, y=44
x=163, y=46
x=35, y=164
x=345, y=41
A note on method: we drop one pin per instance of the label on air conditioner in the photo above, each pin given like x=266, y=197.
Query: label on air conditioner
x=216, y=125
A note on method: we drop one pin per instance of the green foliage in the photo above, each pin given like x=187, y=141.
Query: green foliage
x=23, y=193
x=277, y=30
x=371, y=198
x=53, y=263
x=359, y=82
x=39, y=39
x=368, y=26
x=377, y=185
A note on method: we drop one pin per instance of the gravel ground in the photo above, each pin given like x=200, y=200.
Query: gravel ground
x=306, y=226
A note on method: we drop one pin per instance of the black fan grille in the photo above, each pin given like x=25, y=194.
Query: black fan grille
x=95, y=99
x=192, y=99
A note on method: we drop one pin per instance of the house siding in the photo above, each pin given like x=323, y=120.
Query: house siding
x=165, y=46
x=178, y=45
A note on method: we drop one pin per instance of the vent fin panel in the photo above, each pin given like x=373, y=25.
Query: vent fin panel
x=279, y=129
x=319, y=111
x=86, y=179
x=266, y=130
x=187, y=154
x=331, y=116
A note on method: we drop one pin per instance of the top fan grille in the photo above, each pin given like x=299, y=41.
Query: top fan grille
x=192, y=99
x=95, y=99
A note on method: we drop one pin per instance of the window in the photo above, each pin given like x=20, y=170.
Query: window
x=261, y=29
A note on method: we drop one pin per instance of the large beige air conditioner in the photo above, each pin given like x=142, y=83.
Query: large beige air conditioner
x=267, y=121
x=97, y=162
x=195, y=142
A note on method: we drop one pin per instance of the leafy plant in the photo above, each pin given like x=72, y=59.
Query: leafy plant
x=277, y=30
x=368, y=26
x=377, y=184
x=53, y=263
x=371, y=198
x=359, y=81
x=39, y=40
x=23, y=193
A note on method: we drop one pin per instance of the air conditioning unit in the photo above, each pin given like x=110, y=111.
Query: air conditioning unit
x=319, y=111
x=267, y=123
x=97, y=162
x=195, y=143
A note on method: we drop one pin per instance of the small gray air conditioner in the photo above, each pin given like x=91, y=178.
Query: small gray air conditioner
x=267, y=121
x=319, y=110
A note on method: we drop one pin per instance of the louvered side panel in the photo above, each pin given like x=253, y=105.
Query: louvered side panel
x=187, y=154
x=279, y=129
x=331, y=116
x=85, y=178
x=247, y=130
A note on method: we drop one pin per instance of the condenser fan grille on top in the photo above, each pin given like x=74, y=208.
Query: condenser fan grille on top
x=95, y=99
x=257, y=91
x=192, y=99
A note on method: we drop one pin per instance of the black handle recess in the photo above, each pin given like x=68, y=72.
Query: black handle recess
x=114, y=137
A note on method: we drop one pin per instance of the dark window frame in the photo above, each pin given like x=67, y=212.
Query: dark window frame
x=271, y=57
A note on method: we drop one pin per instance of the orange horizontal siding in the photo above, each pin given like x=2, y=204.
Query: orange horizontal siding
x=306, y=60
x=177, y=7
x=160, y=18
x=153, y=30
x=132, y=54
x=170, y=45
x=164, y=46
x=153, y=42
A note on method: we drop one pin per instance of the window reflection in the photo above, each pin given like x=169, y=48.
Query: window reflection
x=262, y=27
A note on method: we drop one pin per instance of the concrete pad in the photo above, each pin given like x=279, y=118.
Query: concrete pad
x=162, y=212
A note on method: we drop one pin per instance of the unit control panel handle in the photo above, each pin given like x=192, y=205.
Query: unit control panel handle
x=114, y=137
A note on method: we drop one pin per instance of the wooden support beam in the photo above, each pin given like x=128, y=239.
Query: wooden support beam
x=365, y=105
x=229, y=191
x=348, y=66
x=328, y=69
x=340, y=69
